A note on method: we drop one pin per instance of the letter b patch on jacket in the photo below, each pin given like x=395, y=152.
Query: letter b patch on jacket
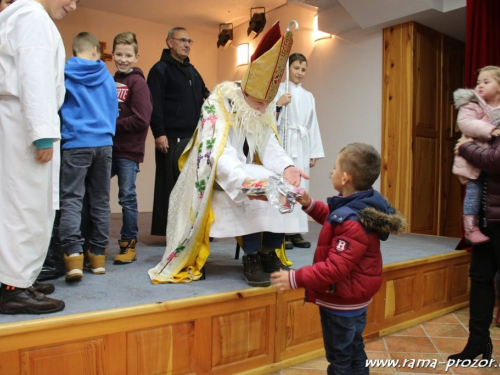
x=341, y=245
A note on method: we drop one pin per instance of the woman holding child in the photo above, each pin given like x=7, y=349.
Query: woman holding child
x=485, y=256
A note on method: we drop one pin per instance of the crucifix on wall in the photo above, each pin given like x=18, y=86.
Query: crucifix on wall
x=105, y=56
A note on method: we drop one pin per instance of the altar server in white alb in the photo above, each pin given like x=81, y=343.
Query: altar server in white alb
x=31, y=92
x=303, y=139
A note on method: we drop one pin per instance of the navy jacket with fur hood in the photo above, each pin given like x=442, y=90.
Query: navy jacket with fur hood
x=347, y=267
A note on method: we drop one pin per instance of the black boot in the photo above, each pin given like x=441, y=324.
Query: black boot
x=271, y=263
x=253, y=272
x=53, y=266
x=472, y=350
x=298, y=241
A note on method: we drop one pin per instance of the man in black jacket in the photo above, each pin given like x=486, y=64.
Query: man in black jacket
x=178, y=91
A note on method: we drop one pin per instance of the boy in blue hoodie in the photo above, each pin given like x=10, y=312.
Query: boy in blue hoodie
x=88, y=118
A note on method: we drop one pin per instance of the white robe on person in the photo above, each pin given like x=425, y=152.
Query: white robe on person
x=303, y=140
x=234, y=213
x=32, y=90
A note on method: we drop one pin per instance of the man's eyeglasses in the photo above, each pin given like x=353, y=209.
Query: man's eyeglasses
x=184, y=40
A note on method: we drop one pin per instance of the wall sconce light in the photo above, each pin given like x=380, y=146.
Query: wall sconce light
x=257, y=22
x=243, y=54
x=225, y=35
x=318, y=35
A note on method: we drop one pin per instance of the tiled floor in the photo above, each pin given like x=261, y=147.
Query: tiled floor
x=433, y=340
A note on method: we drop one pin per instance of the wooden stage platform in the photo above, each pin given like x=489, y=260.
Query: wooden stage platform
x=243, y=331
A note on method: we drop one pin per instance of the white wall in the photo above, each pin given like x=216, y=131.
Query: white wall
x=345, y=78
x=151, y=37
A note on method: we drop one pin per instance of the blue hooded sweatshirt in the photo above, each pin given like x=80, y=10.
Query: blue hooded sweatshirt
x=90, y=107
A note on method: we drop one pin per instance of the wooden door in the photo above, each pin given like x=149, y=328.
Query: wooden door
x=450, y=190
x=426, y=130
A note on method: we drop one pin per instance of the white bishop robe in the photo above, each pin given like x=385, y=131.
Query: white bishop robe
x=234, y=213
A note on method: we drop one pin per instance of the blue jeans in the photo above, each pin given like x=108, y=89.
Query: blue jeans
x=254, y=242
x=126, y=170
x=85, y=170
x=343, y=340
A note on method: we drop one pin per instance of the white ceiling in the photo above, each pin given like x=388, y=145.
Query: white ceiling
x=447, y=16
x=186, y=13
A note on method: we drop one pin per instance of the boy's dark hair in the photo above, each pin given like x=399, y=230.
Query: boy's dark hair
x=85, y=42
x=171, y=33
x=297, y=56
x=128, y=38
x=362, y=162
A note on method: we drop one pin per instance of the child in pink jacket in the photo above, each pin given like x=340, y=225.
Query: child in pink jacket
x=478, y=118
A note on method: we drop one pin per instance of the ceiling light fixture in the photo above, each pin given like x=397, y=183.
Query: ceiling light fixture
x=225, y=35
x=257, y=22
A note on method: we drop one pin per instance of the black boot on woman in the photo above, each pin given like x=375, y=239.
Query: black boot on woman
x=472, y=350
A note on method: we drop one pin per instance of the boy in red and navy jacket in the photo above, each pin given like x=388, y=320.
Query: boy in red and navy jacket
x=347, y=267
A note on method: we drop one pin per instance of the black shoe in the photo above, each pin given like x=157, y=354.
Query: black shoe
x=288, y=243
x=27, y=301
x=298, y=241
x=44, y=288
x=472, y=350
x=253, y=272
x=271, y=263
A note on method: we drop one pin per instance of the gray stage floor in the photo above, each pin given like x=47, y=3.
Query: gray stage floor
x=129, y=285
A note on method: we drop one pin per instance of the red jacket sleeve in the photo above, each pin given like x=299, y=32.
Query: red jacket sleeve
x=319, y=211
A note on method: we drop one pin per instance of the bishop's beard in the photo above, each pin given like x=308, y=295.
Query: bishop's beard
x=248, y=121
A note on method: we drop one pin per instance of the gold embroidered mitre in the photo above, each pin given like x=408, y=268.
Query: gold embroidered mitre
x=263, y=75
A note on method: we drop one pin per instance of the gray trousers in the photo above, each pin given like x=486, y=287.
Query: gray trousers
x=85, y=170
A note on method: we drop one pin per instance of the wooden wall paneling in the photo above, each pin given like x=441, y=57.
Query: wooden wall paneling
x=399, y=288
x=10, y=362
x=397, y=89
x=460, y=282
x=431, y=278
x=249, y=331
x=244, y=335
x=375, y=316
x=162, y=350
x=78, y=358
x=203, y=345
x=239, y=336
x=116, y=353
x=300, y=325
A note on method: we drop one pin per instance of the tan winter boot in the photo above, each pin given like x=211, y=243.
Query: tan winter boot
x=127, y=252
x=95, y=263
x=471, y=230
